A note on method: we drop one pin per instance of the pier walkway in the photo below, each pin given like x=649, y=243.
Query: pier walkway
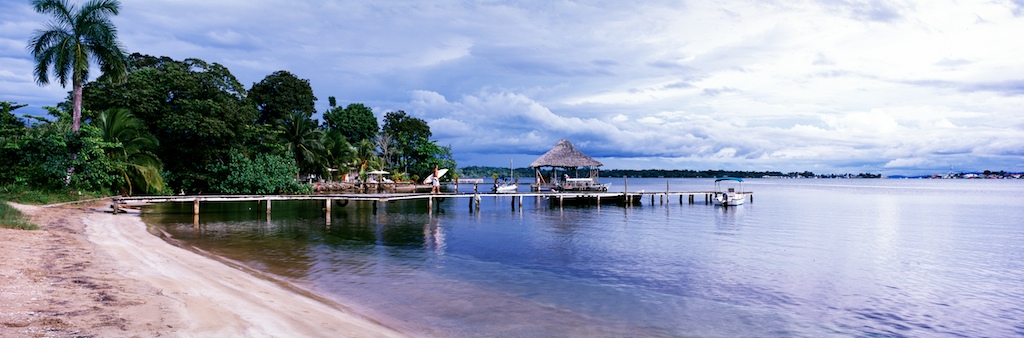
x=555, y=198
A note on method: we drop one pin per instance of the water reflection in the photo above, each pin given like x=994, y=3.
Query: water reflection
x=871, y=262
x=727, y=220
x=433, y=236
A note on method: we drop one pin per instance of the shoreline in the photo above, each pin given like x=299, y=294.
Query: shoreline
x=88, y=272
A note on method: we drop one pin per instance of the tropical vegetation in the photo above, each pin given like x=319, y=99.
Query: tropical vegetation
x=74, y=38
x=157, y=125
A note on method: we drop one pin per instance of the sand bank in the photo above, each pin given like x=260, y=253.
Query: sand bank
x=89, y=273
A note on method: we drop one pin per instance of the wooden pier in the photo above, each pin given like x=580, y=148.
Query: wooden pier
x=554, y=198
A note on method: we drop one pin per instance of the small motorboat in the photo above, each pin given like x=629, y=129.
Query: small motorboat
x=729, y=193
x=582, y=184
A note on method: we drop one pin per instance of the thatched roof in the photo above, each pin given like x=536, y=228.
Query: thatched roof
x=565, y=155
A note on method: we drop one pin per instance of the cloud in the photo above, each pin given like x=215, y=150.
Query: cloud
x=835, y=85
x=902, y=163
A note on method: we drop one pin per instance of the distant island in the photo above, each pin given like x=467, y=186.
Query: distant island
x=484, y=172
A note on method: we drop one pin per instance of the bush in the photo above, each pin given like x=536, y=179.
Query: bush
x=40, y=159
x=260, y=174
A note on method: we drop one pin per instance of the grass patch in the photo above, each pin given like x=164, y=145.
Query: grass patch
x=14, y=219
x=25, y=195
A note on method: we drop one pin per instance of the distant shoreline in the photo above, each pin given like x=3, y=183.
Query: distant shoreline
x=485, y=171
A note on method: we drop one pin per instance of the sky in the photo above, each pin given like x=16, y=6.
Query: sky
x=829, y=86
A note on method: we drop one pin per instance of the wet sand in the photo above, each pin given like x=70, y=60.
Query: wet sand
x=91, y=273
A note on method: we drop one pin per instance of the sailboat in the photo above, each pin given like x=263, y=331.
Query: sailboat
x=508, y=186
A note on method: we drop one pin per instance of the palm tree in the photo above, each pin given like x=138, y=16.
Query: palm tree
x=302, y=137
x=74, y=39
x=366, y=160
x=139, y=167
x=338, y=153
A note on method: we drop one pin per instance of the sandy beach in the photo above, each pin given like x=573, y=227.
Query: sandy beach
x=91, y=273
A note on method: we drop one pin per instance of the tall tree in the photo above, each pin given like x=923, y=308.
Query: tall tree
x=408, y=133
x=385, y=147
x=72, y=40
x=198, y=111
x=280, y=94
x=356, y=122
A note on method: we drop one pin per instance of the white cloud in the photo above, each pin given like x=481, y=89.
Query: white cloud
x=902, y=163
x=909, y=86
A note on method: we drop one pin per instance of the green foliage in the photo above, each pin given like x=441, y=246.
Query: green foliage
x=356, y=122
x=407, y=134
x=428, y=154
x=198, y=112
x=50, y=156
x=405, y=143
x=74, y=39
x=14, y=219
x=282, y=94
x=301, y=137
x=366, y=160
x=261, y=174
x=132, y=151
x=40, y=196
x=338, y=153
x=12, y=130
x=10, y=125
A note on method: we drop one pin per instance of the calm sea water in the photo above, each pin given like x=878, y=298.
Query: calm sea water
x=806, y=258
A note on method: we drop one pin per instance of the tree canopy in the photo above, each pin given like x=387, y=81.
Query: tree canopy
x=197, y=110
x=281, y=94
x=412, y=147
x=355, y=121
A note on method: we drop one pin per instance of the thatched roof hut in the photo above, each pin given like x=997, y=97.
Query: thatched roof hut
x=566, y=157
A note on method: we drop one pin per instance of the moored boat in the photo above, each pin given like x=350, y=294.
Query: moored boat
x=582, y=184
x=508, y=186
x=729, y=193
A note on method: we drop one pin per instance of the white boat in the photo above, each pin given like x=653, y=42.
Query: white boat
x=582, y=184
x=508, y=186
x=729, y=193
